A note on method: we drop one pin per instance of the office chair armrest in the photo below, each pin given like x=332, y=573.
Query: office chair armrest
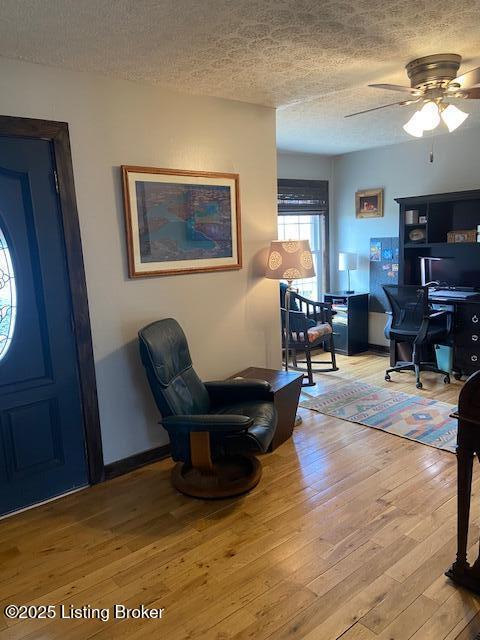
x=207, y=422
x=423, y=331
x=443, y=313
x=388, y=326
x=238, y=389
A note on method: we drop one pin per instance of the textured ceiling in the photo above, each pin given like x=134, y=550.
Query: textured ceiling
x=314, y=55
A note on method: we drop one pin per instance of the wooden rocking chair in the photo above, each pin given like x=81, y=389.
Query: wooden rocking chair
x=310, y=328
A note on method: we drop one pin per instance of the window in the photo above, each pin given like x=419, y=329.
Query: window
x=8, y=297
x=303, y=215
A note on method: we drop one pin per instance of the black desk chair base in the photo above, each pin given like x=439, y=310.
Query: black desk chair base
x=418, y=368
x=228, y=477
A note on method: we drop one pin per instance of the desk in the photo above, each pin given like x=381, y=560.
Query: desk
x=286, y=387
x=465, y=335
x=350, y=324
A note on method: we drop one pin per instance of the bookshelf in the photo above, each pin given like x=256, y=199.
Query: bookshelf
x=443, y=212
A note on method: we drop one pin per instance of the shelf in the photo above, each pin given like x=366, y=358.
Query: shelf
x=418, y=224
x=426, y=245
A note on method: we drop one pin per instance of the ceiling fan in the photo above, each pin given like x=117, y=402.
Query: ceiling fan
x=434, y=82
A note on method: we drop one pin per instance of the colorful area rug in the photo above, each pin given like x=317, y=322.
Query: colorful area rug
x=413, y=417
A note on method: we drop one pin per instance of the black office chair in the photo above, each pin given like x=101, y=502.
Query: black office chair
x=412, y=320
x=215, y=427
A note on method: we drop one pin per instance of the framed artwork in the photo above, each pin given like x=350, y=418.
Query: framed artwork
x=181, y=221
x=369, y=203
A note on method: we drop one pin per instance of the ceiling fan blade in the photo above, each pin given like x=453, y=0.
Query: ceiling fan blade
x=467, y=80
x=396, y=87
x=384, y=106
x=471, y=94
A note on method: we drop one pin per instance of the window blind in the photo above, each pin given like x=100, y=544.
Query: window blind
x=302, y=196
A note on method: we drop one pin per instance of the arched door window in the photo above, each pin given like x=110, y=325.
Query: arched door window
x=8, y=297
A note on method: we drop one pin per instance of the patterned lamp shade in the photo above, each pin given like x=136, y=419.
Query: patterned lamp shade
x=289, y=260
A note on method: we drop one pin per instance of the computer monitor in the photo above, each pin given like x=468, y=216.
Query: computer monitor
x=427, y=269
x=460, y=272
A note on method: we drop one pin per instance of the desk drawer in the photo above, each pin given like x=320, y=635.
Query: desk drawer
x=468, y=318
x=340, y=336
x=468, y=337
x=467, y=359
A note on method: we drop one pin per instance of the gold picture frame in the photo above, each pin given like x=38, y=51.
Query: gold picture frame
x=369, y=203
x=180, y=222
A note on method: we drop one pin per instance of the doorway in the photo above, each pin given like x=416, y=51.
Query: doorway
x=50, y=440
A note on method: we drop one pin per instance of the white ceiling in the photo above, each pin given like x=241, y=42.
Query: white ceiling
x=314, y=55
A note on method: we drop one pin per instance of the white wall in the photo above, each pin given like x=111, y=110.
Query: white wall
x=308, y=166
x=231, y=319
x=304, y=166
x=402, y=170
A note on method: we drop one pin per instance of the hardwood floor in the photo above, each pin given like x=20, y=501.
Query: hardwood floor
x=346, y=536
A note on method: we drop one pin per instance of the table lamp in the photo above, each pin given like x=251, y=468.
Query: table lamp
x=289, y=260
x=347, y=262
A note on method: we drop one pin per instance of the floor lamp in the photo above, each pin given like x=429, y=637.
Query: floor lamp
x=289, y=260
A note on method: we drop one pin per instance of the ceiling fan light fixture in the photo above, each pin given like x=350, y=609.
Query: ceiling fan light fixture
x=429, y=116
x=414, y=126
x=453, y=117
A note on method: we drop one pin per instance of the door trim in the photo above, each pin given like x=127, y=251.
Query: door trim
x=57, y=134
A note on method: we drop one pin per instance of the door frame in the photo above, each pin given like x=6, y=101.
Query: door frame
x=57, y=134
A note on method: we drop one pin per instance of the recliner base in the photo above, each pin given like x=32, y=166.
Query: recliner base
x=230, y=476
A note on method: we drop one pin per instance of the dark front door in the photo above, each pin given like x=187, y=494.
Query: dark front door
x=42, y=440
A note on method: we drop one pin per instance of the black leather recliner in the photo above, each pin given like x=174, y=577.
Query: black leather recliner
x=214, y=427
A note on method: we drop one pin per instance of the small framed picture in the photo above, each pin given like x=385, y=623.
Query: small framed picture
x=369, y=203
x=181, y=221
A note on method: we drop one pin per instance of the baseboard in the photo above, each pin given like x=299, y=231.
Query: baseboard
x=379, y=348
x=119, y=467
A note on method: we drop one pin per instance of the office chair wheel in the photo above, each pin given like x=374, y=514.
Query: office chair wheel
x=419, y=385
x=387, y=377
x=446, y=380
